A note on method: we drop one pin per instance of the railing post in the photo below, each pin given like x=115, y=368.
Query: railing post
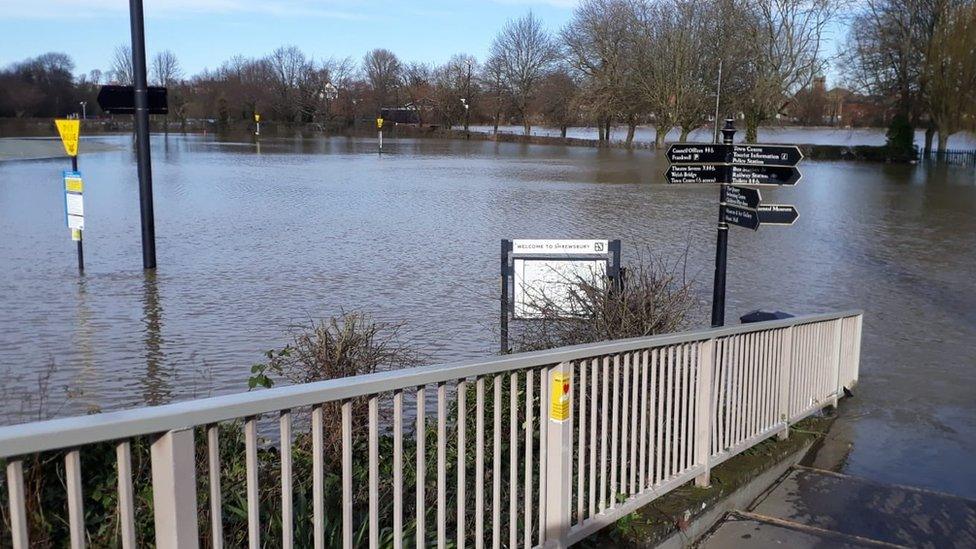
x=174, y=490
x=837, y=359
x=559, y=455
x=856, y=354
x=18, y=503
x=703, y=411
x=785, y=379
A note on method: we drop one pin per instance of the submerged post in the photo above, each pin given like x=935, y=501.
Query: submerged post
x=76, y=234
x=142, y=134
x=722, y=241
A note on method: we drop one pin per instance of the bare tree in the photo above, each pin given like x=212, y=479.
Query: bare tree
x=598, y=47
x=165, y=69
x=671, y=40
x=289, y=69
x=122, y=65
x=557, y=100
x=784, y=51
x=418, y=80
x=493, y=82
x=457, y=88
x=384, y=73
x=888, y=53
x=950, y=70
x=526, y=53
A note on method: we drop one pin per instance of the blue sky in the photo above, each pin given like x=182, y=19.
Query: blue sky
x=204, y=33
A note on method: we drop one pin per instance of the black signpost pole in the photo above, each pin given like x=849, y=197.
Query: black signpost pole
x=81, y=246
x=616, y=276
x=142, y=134
x=503, y=319
x=722, y=242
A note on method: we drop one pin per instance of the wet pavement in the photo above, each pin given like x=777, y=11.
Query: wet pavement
x=815, y=508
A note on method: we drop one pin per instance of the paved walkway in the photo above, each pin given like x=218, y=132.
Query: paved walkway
x=816, y=508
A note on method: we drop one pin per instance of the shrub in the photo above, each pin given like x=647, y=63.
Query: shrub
x=900, y=138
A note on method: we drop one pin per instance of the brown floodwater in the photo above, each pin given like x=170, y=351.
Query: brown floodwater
x=255, y=239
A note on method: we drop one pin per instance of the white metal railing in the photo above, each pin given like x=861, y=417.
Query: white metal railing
x=647, y=415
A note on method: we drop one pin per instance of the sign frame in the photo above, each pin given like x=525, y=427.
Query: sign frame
x=550, y=250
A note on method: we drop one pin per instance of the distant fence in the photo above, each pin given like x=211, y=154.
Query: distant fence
x=950, y=156
x=505, y=459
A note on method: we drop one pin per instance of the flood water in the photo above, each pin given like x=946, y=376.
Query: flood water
x=254, y=239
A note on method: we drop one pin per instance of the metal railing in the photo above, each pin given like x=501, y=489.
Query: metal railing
x=645, y=416
x=950, y=156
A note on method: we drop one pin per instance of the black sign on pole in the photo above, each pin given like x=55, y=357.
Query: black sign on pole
x=766, y=155
x=695, y=153
x=743, y=197
x=777, y=214
x=122, y=99
x=743, y=217
x=765, y=175
x=695, y=173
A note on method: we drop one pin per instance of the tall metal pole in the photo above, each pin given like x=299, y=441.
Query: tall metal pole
x=722, y=242
x=718, y=96
x=142, y=134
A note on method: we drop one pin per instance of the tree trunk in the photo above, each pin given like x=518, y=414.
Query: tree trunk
x=497, y=116
x=631, y=129
x=943, y=143
x=929, y=134
x=562, y=131
x=602, y=136
x=609, y=127
x=752, y=126
x=684, y=134
x=526, y=126
x=660, y=132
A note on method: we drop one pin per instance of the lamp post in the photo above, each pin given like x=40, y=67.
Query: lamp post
x=467, y=110
x=84, y=113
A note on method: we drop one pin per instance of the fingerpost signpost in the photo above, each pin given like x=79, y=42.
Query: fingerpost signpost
x=139, y=100
x=736, y=168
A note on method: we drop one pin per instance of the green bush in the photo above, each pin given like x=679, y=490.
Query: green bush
x=900, y=139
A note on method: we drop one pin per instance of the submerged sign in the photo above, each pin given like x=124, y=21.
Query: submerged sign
x=74, y=204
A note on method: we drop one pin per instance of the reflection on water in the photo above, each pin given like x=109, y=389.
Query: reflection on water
x=256, y=236
x=787, y=134
x=156, y=381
